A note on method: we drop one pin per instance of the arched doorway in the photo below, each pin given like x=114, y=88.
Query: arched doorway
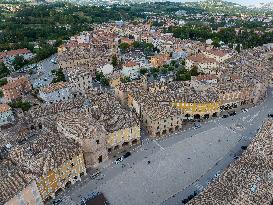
x=197, y=117
x=58, y=191
x=48, y=199
x=206, y=116
x=187, y=116
x=134, y=141
x=68, y=184
x=125, y=144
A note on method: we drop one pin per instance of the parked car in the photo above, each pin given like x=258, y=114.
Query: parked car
x=196, y=126
x=244, y=110
x=218, y=173
x=53, y=61
x=56, y=202
x=93, y=176
x=270, y=115
x=127, y=154
x=225, y=116
x=118, y=160
x=232, y=113
x=235, y=157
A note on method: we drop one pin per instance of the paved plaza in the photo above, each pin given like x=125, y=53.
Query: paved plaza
x=171, y=169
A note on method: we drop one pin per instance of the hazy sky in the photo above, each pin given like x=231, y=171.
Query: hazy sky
x=251, y=1
x=245, y=2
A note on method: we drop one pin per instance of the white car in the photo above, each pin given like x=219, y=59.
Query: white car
x=245, y=110
x=118, y=160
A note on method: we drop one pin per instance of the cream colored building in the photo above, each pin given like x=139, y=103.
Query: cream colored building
x=88, y=133
x=219, y=55
x=122, y=125
x=204, y=64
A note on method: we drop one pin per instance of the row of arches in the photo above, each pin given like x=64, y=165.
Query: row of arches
x=68, y=184
x=199, y=117
x=123, y=145
x=167, y=131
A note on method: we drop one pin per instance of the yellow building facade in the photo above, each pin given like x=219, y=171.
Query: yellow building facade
x=123, y=137
x=57, y=179
x=198, y=110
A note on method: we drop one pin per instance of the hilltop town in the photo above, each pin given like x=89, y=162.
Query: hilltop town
x=130, y=88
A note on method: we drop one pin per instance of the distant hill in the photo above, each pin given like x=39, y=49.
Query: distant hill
x=262, y=6
x=212, y=6
x=219, y=6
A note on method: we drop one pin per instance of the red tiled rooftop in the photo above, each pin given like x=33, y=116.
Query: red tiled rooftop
x=15, y=52
x=130, y=64
x=201, y=59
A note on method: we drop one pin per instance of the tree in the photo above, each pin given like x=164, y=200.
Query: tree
x=124, y=46
x=3, y=81
x=173, y=62
x=99, y=76
x=216, y=44
x=155, y=75
x=1, y=94
x=171, y=68
x=238, y=48
x=194, y=71
x=154, y=70
x=105, y=81
x=58, y=76
x=44, y=52
x=18, y=62
x=164, y=70
x=183, y=75
x=143, y=71
x=25, y=106
x=125, y=79
x=4, y=71
x=102, y=79
x=137, y=44
x=114, y=60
